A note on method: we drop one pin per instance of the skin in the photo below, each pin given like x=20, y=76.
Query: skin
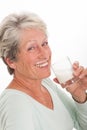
x=33, y=64
x=34, y=48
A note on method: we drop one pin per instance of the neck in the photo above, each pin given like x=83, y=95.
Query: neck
x=22, y=84
x=34, y=89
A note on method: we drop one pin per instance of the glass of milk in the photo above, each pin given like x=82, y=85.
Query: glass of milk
x=63, y=71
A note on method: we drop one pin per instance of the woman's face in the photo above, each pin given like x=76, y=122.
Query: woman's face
x=34, y=57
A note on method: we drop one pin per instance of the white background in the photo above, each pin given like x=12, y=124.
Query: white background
x=67, y=27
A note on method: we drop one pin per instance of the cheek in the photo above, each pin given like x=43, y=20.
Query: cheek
x=26, y=66
x=49, y=52
x=21, y=67
x=29, y=70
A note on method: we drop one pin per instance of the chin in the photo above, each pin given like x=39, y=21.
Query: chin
x=46, y=75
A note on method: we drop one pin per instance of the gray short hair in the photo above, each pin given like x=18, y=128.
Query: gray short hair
x=10, y=29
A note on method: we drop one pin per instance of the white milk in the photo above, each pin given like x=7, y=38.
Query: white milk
x=64, y=75
x=62, y=69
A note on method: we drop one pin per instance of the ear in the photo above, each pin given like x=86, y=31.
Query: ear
x=10, y=63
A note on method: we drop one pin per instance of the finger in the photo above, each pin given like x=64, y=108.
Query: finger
x=56, y=80
x=71, y=88
x=78, y=71
x=75, y=65
x=83, y=74
x=75, y=86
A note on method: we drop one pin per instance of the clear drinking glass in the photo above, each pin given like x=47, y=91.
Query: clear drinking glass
x=63, y=71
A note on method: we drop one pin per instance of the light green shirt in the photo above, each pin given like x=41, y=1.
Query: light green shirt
x=19, y=111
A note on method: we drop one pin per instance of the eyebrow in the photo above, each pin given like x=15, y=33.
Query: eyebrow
x=36, y=40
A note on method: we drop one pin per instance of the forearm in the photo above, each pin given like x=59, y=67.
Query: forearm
x=81, y=115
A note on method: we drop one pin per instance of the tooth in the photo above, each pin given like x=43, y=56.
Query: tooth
x=42, y=65
x=41, y=62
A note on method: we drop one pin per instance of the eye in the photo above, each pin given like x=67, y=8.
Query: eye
x=31, y=48
x=45, y=44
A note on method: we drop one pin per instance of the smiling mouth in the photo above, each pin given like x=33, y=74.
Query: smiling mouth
x=42, y=64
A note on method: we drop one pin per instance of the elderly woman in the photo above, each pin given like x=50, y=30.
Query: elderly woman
x=32, y=101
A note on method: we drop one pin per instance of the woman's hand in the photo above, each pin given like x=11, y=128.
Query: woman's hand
x=79, y=87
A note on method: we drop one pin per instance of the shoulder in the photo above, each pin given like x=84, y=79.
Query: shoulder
x=16, y=109
x=12, y=99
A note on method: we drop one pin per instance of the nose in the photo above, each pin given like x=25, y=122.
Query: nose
x=43, y=53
